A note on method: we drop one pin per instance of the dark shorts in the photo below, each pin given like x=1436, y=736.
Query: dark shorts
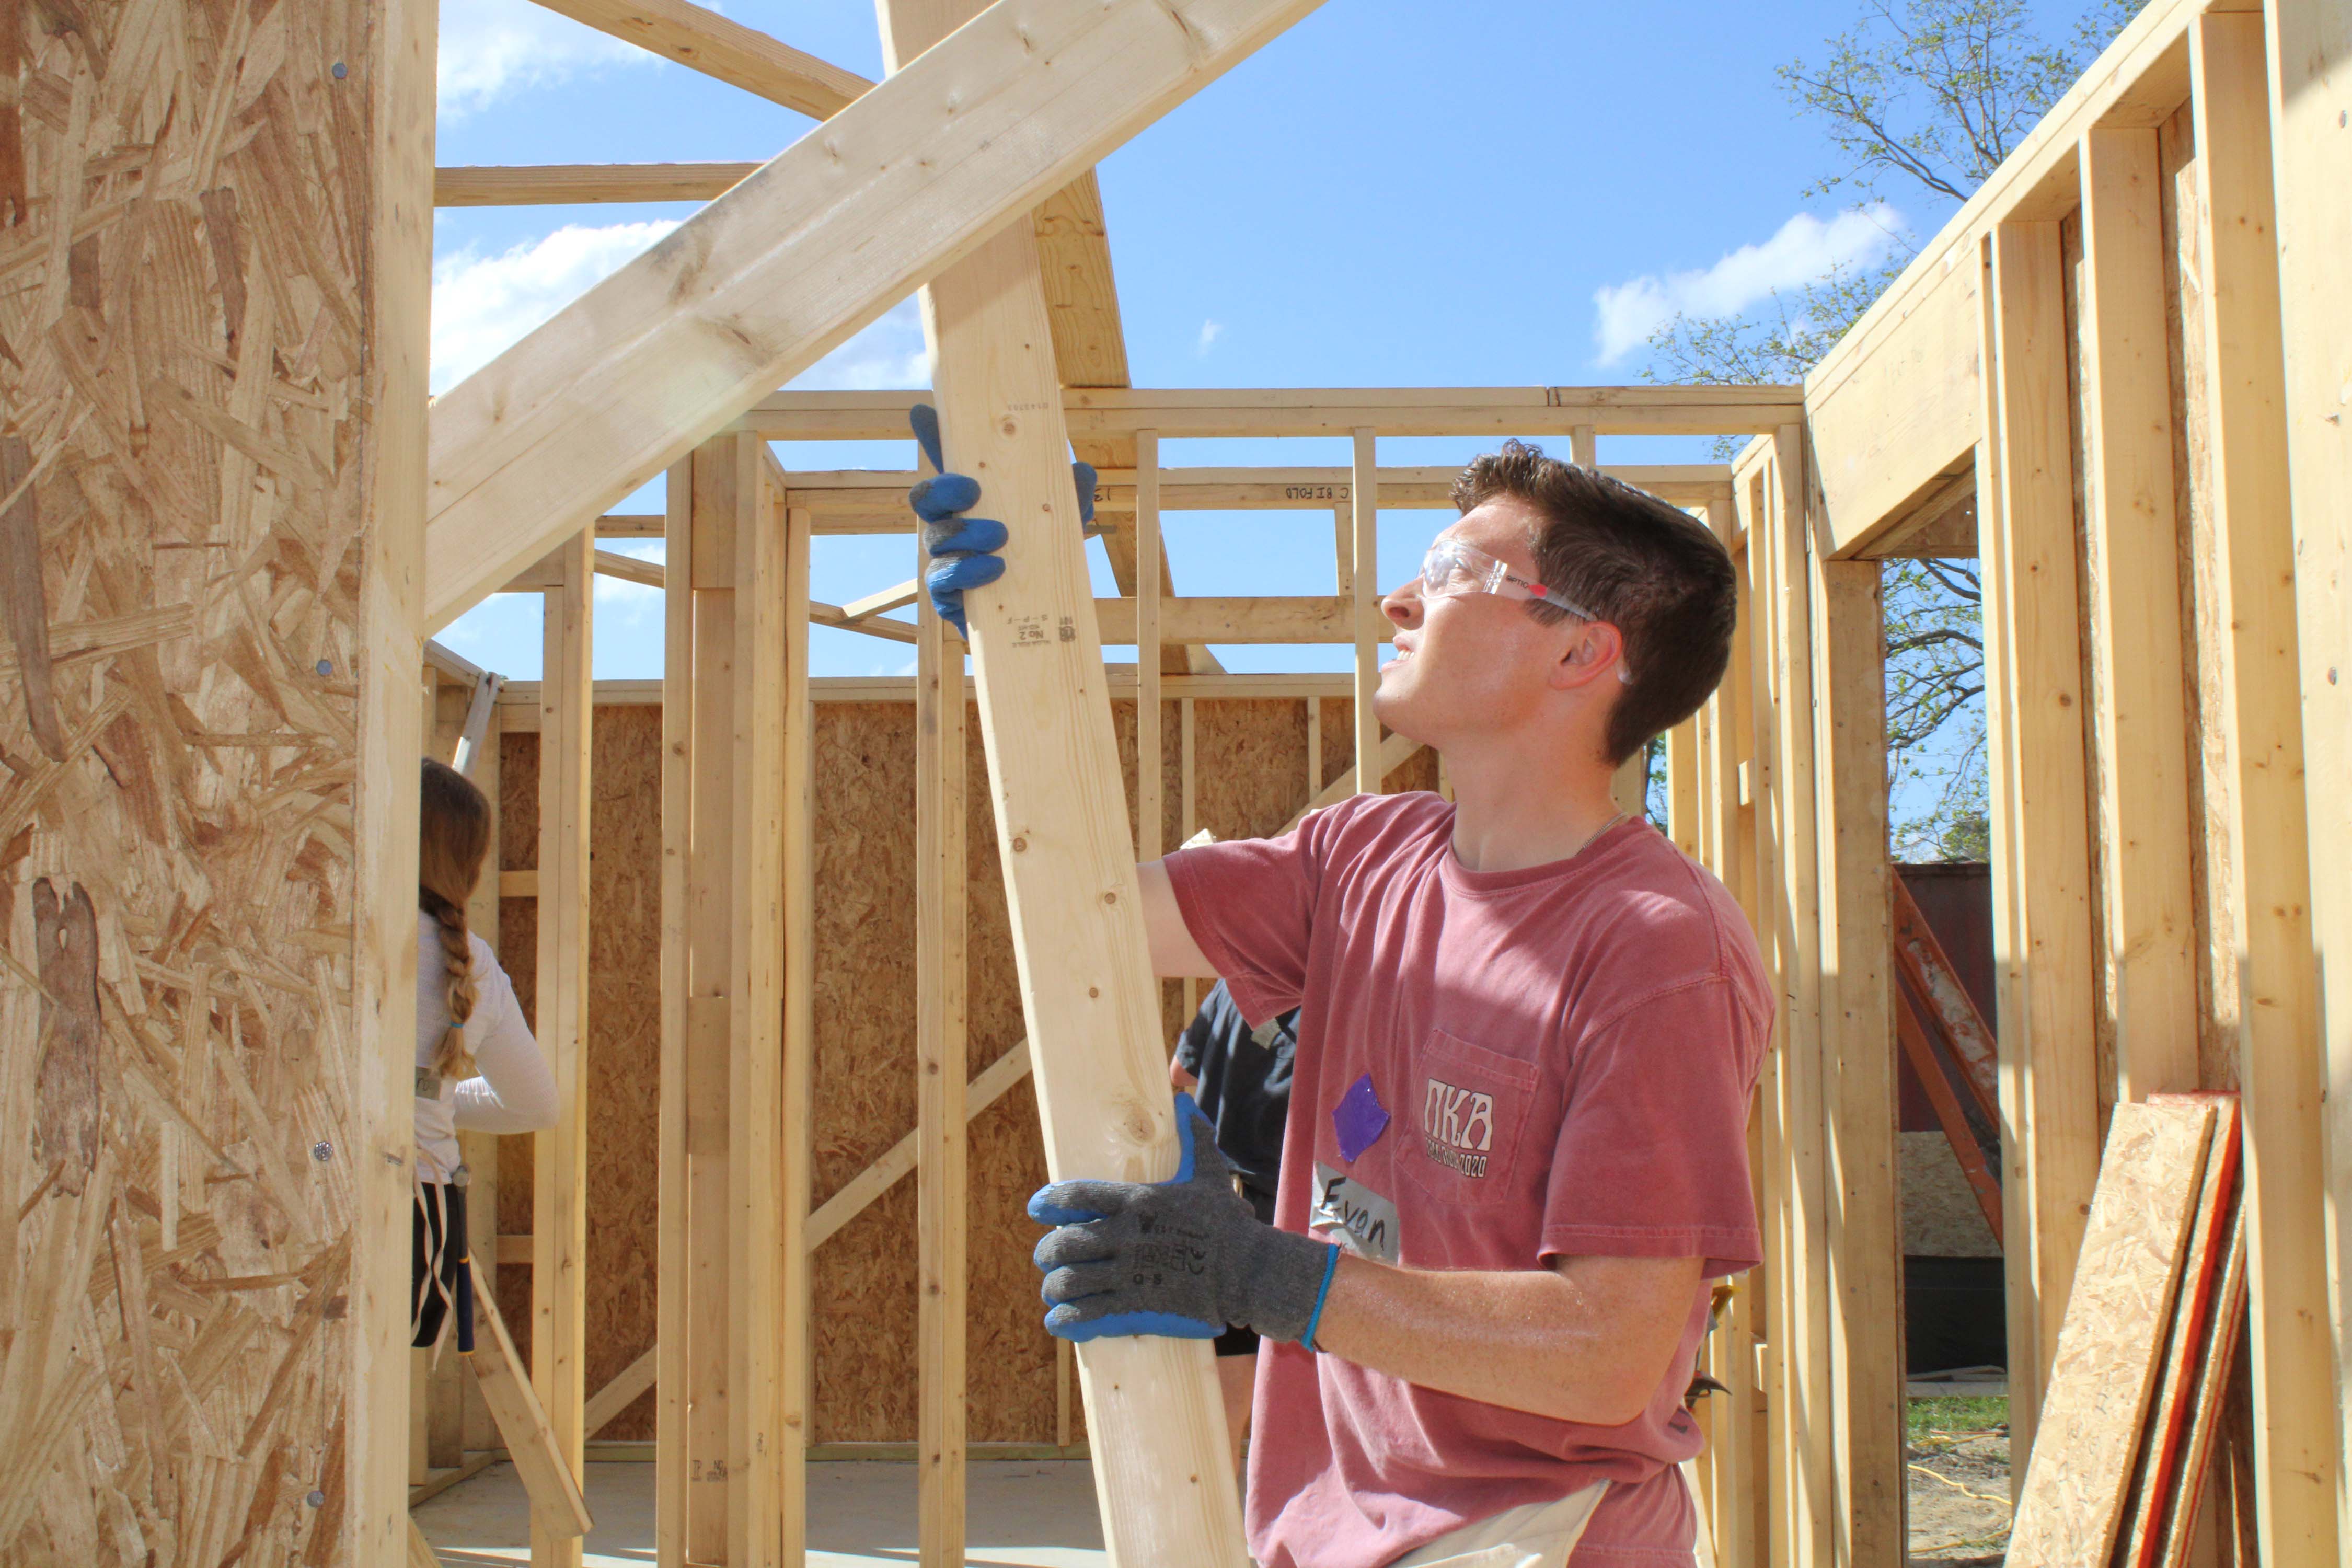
x=440, y=1275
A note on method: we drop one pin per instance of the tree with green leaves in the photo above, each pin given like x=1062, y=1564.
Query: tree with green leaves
x=1922, y=99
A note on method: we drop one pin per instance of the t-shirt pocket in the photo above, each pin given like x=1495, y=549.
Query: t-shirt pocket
x=1470, y=1106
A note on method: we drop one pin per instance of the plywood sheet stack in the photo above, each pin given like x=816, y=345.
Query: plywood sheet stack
x=2150, y=1333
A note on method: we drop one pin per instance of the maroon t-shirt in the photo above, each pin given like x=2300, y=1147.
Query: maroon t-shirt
x=1494, y=1069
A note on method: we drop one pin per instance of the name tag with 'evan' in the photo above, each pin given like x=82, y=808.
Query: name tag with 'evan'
x=1366, y=1222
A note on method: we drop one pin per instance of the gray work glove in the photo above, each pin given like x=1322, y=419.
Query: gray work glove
x=1184, y=1257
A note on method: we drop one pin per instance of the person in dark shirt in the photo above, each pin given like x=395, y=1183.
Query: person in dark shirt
x=1239, y=1077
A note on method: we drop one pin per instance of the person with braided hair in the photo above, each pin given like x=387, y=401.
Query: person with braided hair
x=477, y=1066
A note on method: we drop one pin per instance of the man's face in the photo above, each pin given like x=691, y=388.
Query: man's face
x=1472, y=663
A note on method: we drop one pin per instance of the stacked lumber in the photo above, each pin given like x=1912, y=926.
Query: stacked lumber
x=2144, y=1354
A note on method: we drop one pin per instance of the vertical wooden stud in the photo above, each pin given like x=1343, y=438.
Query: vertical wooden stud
x=698, y=1294
x=2311, y=159
x=795, y=1324
x=480, y=1151
x=1343, y=539
x=1148, y=791
x=2040, y=851
x=1857, y=1053
x=446, y=1383
x=420, y=1416
x=2279, y=1059
x=673, y=1257
x=1736, y=1450
x=558, y=1241
x=1189, y=819
x=1314, y=747
x=383, y=190
x=1741, y=862
x=1775, y=1293
x=756, y=1343
x=1746, y=859
x=1682, y=786
x=1065, y=1421
x=1808, y=1418
x=1364, y=579
x=2131, y=558
x=939, y=1071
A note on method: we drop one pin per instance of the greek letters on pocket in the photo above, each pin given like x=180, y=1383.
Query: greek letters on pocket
x=1470, y=1106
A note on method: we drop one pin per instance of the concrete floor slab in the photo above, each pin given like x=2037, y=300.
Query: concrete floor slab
x=1023, y=1514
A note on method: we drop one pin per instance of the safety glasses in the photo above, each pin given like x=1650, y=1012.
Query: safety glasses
x=1453, y=567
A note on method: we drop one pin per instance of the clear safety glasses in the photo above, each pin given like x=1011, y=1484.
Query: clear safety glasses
x=1453, y=567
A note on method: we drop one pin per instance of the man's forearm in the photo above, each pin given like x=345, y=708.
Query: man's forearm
x=1588, y=1341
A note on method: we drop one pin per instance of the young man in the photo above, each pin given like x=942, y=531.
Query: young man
x=1517, y=1149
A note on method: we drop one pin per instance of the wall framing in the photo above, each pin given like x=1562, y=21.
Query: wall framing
x=2156, y=461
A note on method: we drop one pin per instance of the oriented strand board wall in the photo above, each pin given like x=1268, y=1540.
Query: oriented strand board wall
x=203, y=656
x=1249, y=777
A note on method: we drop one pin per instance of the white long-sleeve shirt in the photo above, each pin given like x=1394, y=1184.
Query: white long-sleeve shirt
x=515, y=1091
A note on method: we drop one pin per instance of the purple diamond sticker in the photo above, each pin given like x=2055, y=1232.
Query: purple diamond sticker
x=1358, y=1119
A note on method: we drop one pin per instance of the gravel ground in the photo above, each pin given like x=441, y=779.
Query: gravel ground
x=1958, y=1477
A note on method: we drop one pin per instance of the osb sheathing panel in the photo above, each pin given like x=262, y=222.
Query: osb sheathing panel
x=1250, y=777
x=186, y=451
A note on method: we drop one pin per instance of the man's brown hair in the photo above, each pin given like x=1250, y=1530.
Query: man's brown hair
x=1651, y=570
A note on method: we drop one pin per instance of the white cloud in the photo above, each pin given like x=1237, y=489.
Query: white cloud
x=889, y=355
x=1805, y=248
x=1211, y=331
x=481, y=304
x=491, y=48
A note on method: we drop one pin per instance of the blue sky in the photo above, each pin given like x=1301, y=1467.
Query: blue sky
x=1390, y=194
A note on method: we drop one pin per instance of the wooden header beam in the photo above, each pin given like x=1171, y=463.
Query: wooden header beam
x=882, y=492
x=1337, y=411
x=518, y=702
x=757, y=285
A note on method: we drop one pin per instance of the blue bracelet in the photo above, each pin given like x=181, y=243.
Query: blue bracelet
x=1322, y=1293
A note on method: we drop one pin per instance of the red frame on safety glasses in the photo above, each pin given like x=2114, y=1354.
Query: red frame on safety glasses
x=1455, y=567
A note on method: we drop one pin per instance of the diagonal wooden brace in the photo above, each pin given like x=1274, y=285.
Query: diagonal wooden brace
x=1163, y=1478
x=1162, y=1473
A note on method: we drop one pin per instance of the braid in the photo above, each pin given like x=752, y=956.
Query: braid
x=451, y=1059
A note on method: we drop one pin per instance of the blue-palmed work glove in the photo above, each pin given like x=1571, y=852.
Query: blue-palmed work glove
x=962, y=549
x=1184, y=1257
